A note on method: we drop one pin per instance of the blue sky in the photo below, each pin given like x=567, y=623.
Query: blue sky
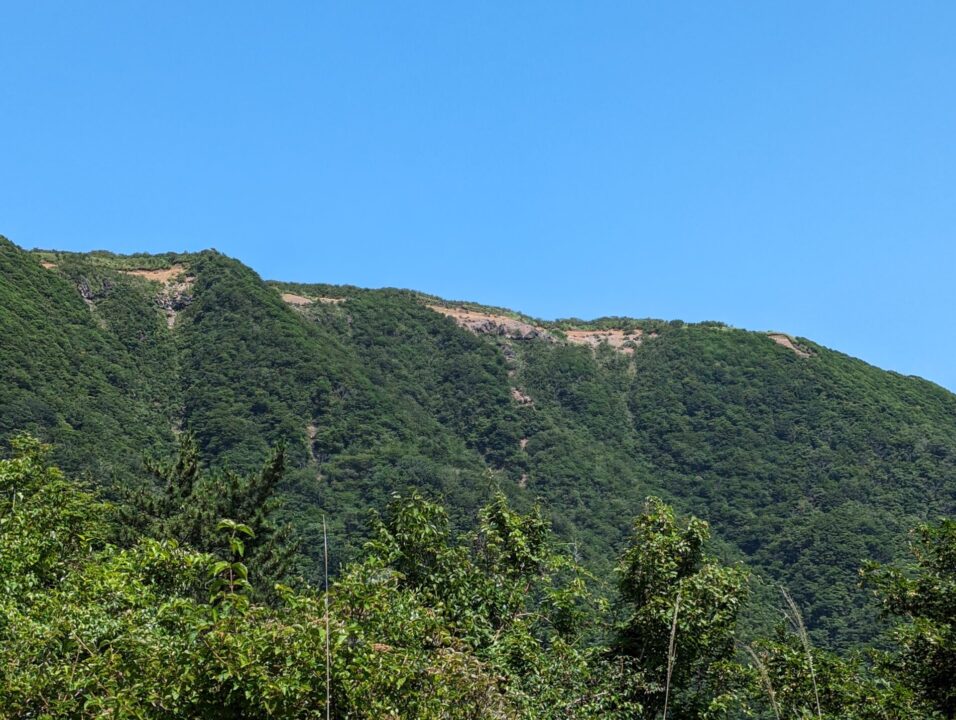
x=786, y=166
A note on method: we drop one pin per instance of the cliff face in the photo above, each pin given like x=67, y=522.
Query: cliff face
x=804, y=460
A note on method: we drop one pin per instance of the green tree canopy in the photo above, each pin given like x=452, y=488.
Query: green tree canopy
x=921, y=596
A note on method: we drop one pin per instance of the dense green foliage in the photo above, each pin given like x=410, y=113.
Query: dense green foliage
x=805, y=466
x=75, y=382
x=925, y=594
x=190, y=501
x=494, y=623
x=671, y=589
x=810, y=465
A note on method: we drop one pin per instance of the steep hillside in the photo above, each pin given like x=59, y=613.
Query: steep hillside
x=805, y=461
x=86, y=361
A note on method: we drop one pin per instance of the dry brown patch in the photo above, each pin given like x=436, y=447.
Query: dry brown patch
x=491, y=324
x=161, y=276
x=47, y=265
x=787, y=342
x=297, y=300
x=617, y=339
x=484, y=323
x=303, y=301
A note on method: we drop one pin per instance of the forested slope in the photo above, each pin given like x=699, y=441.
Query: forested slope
x=805, y=461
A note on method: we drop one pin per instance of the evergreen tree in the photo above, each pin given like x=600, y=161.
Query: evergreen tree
x=187, y=502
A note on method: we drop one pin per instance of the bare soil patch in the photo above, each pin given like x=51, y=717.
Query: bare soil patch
x=303, y=301
x=163, y=276
x=490, y=324
x=615, y=338
x=484, y=323
x=787, y=342
x=298, y=300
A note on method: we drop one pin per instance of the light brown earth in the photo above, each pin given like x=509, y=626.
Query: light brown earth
x=298, y=300
x=615, y=338
x=47, y=264
x=488, y=323
x=302, y=300
x=503, y=325
x=787, y=342
x=160, y=276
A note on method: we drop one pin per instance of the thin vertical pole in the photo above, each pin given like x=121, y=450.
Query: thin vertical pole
x=671, y=655
x=328, y=654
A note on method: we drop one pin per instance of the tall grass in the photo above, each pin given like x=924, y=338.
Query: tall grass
x=764, y=679
x=792, y=614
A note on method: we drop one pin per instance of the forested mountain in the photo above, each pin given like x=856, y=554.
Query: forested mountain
x=806, y=462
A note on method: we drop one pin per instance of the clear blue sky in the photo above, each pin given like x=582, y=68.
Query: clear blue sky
x=775, y=165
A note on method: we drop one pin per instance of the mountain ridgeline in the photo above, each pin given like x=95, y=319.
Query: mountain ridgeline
x=805, y=461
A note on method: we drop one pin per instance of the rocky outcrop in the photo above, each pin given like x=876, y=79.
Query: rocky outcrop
x=90, y=295
x=623, y=340
x=485, y=323
x=176, y=293
x=499, y=325
x=521, y=398
x=175, y=297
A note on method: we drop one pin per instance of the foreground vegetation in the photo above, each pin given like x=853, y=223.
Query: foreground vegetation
x=191, y=612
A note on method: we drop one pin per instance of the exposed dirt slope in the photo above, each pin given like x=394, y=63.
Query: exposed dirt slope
x=787, y=342
x=486, y=323
x=617, y=339
x=163, y=276
x=303, y=301
x=489, y=324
